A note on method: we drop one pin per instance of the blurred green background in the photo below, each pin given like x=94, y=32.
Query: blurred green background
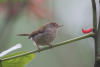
x=74, y=15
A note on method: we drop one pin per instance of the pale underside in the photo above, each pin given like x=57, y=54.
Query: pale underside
x=44, y=38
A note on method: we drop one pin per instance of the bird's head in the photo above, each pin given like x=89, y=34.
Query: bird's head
x=53, y=25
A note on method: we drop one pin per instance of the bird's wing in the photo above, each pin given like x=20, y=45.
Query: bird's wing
x=36, y=32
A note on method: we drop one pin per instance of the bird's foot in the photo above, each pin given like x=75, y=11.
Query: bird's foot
x=39, y=50
x=51, y=46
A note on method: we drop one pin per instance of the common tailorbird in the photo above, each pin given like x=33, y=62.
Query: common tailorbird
x=44, y=35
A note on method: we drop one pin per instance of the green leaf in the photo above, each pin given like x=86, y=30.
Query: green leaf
x=17, y=62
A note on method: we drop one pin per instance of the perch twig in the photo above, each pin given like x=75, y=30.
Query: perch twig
x=46, y=48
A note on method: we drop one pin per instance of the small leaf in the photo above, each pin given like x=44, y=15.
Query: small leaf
x=19, y=61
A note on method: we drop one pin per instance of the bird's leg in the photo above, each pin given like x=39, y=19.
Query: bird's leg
x=50, y=45
x=38, y=47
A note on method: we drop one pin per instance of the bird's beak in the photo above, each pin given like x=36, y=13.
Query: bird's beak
x=60, y=26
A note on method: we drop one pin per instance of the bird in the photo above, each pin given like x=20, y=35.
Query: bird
x=44, y=35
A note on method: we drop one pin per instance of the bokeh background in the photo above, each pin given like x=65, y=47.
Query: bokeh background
x=73, y=14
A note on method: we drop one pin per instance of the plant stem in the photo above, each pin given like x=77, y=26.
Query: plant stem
x=95, y=30
x=98, y=43
x=94, y=14
x=46, y=48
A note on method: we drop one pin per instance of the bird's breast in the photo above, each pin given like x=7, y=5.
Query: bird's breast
x=45, y=38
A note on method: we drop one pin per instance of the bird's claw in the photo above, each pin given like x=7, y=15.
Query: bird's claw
x=51, y=46
x=39, y=50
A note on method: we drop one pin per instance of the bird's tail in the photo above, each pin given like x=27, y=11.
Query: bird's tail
x=23, y=35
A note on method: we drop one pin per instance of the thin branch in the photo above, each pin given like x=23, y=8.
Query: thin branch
x=95, y=30
x=94, y=14
x=46, y=48
x=98, y=46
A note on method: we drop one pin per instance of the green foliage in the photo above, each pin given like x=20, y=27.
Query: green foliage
x=3, y=1
x=17, y=62
x=13, y=1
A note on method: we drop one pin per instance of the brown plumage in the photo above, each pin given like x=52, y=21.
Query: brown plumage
x=44, y=35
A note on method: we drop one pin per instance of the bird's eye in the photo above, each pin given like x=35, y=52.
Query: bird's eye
x=54, y=24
